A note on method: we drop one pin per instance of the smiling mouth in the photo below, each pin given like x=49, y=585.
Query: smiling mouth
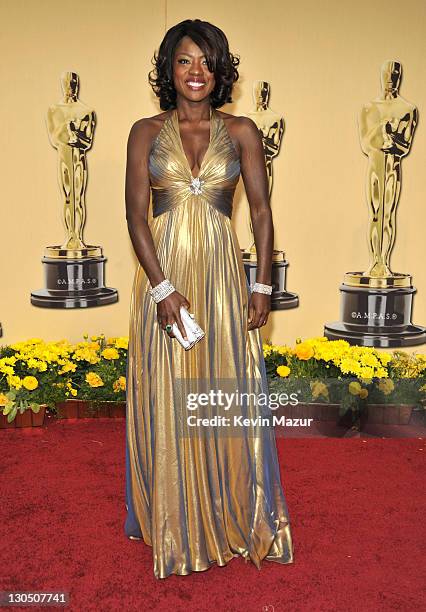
x=195, y=84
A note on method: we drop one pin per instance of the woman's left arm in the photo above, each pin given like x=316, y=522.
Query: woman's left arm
x=253, y=171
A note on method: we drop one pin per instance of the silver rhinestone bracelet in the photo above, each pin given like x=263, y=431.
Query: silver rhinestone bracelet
x=260, y=288
x=161, y=291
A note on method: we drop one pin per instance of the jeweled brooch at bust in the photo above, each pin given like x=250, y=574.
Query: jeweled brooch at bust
x=196, y=185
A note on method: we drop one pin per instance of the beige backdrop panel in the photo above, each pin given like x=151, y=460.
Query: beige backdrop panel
x=323, y=63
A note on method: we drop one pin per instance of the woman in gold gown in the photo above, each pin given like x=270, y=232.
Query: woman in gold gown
x=198, y=494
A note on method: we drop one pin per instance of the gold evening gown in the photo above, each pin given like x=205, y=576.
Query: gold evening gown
x=198, y=495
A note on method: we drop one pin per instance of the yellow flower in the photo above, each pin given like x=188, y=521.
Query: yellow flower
x=122, y=343
x=348, y=365
x=119, y=384
x=366, y=372
x=386, y=386
x=3, y=399
x=283, y=370
x=368, y=359
x=68, y=367
x=6, y=369
x=73, y=392
x=384, y=357
x=319, y=388
x=94, y=379
x=303, y=351
x=421, y=358
x=15, y=382
x=110, y=353
x=86, y=352
x=363, y=393
x=30, y=382
x=354, y=388
x=381, y=373
x=283, y=350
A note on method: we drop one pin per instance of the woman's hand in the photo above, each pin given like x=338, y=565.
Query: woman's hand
x=168, y=312
x=259, y=307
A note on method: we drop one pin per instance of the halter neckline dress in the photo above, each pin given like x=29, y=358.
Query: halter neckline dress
x=198, y=495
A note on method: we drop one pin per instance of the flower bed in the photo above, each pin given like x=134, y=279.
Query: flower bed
x=35, y=373
x=383, y=386
x=89, y=378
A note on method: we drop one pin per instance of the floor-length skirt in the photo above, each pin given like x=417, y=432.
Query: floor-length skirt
x=200, y=494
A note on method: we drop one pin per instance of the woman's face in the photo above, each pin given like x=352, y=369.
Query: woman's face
x=192, y=78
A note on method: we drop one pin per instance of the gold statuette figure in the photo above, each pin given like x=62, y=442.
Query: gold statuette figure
x=270, y=124
x=74, y=271
x=376, y=304
x=271, y=127
x=386, y=127
x=71, y=127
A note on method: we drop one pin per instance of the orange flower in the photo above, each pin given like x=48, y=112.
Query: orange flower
x=304, y=351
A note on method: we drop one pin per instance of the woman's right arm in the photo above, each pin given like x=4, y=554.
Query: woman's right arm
x=137, y=194
x=137, y=200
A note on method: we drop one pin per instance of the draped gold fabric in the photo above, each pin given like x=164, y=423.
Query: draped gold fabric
x=198, y=495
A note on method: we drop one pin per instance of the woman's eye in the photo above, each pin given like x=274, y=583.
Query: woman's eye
x=184, y=59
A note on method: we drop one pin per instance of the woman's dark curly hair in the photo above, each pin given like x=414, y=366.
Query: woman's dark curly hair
x=214, y=44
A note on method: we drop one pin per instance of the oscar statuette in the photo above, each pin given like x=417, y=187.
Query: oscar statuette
x=74, y=271
x=271, y=127
x=376, y=304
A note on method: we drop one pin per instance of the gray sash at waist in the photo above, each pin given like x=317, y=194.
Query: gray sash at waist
x=163, y=200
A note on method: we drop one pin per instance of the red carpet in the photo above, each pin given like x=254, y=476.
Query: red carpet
x=357, y=510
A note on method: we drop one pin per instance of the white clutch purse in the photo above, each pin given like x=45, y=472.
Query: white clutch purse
x=194, y=333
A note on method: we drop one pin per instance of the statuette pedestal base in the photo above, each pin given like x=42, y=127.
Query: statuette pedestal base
x=76, y=282
x=281, y=299
x=376, y=312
